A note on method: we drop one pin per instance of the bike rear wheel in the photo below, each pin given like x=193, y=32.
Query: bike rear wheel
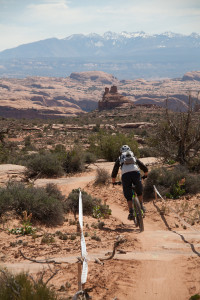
x=139, y=216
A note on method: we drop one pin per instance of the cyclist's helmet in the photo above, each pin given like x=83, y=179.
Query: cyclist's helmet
x=125, y=148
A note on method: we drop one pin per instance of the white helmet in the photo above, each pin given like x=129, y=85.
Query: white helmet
x=125, y=148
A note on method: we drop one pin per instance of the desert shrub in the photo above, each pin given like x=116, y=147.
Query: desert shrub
x=28, y=146
x=101, y=211
x=4, y=154
x=52, y=190
x=89, y=203
x=44, y=164
x=102, y=176
x=107, y=146
x=192, y=183
x=18, y=158
x=194, y=164
x=96, y=237
x=48, y=239
x=89, y=157
x=195, y=297
x=173, y=182
x=21, y=287
x=27, y=141
x=59, y=148
x=60, y=152
x=73, y=161
x=45, y=204
x=147, y=152
x=7, y=150
x=5, y=201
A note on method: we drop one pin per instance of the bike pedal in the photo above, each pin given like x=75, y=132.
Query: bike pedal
x=130, y=217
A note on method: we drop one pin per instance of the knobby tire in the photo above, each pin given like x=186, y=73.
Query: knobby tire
x=139, y=214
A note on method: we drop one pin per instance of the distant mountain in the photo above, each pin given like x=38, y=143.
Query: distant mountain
x=125, y=55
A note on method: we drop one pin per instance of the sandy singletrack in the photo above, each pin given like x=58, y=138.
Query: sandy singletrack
x=163, y=262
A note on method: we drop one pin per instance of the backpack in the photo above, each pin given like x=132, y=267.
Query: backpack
x=127, y=158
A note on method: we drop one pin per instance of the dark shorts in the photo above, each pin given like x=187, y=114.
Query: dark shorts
x=127, y=180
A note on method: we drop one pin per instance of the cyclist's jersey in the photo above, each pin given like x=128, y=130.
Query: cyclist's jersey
x=128, y=168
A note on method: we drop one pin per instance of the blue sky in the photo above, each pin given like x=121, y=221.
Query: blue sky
x=25, y=21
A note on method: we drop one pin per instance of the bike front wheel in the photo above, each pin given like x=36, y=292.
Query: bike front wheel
x=139, y=215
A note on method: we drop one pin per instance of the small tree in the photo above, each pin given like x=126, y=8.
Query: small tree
x=179, y=135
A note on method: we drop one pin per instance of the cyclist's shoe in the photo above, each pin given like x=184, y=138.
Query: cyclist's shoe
x=143, y=208
x=131, y=216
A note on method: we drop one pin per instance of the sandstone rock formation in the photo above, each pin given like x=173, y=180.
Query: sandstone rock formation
x=192, y=76
x=112, y=99
x=136, y=125
x=11, y=172
x=96, y=76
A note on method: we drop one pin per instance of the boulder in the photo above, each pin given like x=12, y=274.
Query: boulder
x=136, y=125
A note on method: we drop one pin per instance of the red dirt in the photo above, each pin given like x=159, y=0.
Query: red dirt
x=163, y=262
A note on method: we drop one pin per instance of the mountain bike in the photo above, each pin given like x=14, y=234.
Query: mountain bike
x=137, y=211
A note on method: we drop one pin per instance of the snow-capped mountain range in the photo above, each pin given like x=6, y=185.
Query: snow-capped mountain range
x=159, y=55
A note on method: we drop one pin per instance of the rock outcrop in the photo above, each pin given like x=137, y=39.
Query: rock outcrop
x=11, y=172
x=112, y=99
x=191, y=76
x=96, y=76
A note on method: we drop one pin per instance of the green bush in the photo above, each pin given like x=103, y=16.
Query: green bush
x=5, y=201
x=45, y=204
x=21, y=287
x=107, y=146
x=73, y=161
x=53, y=191
x=195, y=297
x=3, y=155
x=176, y=191
x=44, y=164
x=194, y=164
x=168, y=182
x=89, y=157
x=89, y=203
x=101, y=211
x=60, y=152
x=28, y=146
x=147, y=152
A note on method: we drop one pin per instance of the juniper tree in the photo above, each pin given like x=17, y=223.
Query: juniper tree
x=178, y=136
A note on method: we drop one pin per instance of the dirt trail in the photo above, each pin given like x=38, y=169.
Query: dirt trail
x=163, y=257
x=164, y=265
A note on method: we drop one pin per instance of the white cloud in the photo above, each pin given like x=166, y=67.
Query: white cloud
x=31, y=20
x=57, y=12
x=13, y=36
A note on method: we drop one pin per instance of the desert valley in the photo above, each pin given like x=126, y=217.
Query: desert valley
x=47, y=97
x=59, y=135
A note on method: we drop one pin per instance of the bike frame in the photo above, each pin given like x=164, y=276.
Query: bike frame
x=138, y=212
x=133, y=201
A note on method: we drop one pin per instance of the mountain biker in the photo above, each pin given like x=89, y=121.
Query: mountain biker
x=130, y=175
